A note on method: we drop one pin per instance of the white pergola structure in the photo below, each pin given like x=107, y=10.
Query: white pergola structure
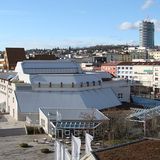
x=142, y=115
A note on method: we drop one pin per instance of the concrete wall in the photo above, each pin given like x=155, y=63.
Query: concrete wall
x=43, y=121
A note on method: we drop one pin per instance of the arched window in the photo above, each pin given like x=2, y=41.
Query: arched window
x=39, y=84
x=61, y=84
x=72, y=85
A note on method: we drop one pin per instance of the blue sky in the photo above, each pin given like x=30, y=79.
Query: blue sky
x=76, y=23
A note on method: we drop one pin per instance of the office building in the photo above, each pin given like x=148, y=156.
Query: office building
x=146, y=34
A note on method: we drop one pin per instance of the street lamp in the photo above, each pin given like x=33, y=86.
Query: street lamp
x=49, y=114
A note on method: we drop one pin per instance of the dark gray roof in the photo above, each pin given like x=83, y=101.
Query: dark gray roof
x=7, y=75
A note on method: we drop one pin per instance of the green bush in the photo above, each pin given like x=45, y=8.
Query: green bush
x=24, y=145
x=45, y=150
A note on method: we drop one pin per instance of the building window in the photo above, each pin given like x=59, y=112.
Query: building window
x=67, y=132
x=130, y=67
x=72, y=85
x=120, y=95
x=87, y=84
x=39, y=84
x=93, y=83
x=50, y=84
x=61, y=84
x=99, y=82
x=122, y=67
x=81, y=85
x=43, y=122
x=156, y=79
x=76, y=133
x=13, y=99
x=126, y=67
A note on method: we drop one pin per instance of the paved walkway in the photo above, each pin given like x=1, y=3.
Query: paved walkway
x=10, y=149
x=11, y=127
x=6, y=122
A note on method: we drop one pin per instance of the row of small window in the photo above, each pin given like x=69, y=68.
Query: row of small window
x=3, y=81
x=126, y=72
x=2, y=87
x=120, y=95
x=68, y=132
x=73, y=85
x=156, y=79
x=125, y=77
x=156, y=74
x=76, y=125
x=125, y=67
x=76, y=132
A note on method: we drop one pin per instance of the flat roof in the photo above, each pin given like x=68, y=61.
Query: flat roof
x=146, y=149
x=74, y=114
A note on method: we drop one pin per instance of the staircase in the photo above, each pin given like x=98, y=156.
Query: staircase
x=10, y=127
x=12, y=132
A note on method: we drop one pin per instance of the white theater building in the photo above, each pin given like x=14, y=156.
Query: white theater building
x=57, y=84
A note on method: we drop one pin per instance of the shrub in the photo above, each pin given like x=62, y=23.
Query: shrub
x=34, y=130
x=45, y=150
x=24, y=145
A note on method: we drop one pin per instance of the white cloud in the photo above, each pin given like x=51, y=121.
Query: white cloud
x=135, y=25
x=129, y=25
x=157, y=24
x=147, y=4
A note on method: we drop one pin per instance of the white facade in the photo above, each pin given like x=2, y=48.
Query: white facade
x=144, y=74
x=154, y=55
x=87, y=66
x=125, y=71
x=57, y=84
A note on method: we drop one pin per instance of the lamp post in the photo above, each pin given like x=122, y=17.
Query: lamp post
x=49, y=122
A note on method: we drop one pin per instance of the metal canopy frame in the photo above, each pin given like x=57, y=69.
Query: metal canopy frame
x=144, y=114
x=75, y=125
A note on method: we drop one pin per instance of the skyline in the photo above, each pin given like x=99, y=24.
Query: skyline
x=53, y=23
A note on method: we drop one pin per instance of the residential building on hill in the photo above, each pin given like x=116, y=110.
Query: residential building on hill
x=154, y=55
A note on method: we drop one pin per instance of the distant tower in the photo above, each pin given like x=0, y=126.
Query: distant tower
x=146, y=34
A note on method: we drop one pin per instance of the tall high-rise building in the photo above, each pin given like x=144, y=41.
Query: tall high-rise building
x=146, y=34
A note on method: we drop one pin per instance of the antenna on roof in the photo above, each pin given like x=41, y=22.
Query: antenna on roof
x=148, y=18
